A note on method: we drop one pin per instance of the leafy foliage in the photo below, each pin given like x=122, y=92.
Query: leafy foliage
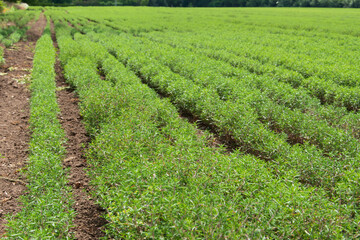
x=294, y=170
x=14, y=33
x=46, y=211
x=2, y=60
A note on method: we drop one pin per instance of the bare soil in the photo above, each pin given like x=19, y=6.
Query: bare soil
x=14, y=117
x=88, y=221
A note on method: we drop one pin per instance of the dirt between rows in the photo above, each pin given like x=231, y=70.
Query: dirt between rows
x=15, y=137
x=88, y=221
x=14, y=117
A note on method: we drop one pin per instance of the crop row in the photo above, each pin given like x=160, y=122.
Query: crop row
x=243, y=53
x=311, y=58
x=342, y=155
x=327, y=24
x=233, y=84
x=157, y=177
x=303, y=32
x=232, y=118
x=334, y=163
x=307, y=52
x=326, y=171
x=19, y=18
x=328, y=91
x=46, y=208
x=275, y=84
x=12, y=34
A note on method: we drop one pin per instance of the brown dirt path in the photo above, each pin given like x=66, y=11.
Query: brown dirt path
x=14, y=116
x=88, y=221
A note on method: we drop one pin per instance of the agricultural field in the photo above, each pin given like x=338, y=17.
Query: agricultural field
x=181, y=123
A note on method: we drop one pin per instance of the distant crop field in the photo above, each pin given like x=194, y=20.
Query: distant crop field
x=215, y=123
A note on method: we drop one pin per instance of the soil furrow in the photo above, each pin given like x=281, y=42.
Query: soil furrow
x=14, y=120
x=88, y=221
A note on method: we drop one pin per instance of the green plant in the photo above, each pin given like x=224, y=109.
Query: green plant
x=283, y=96
x=46, y=212
x=123, y=115
x=2, y=60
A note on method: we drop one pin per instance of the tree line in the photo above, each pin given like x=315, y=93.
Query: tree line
x=204, y=3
